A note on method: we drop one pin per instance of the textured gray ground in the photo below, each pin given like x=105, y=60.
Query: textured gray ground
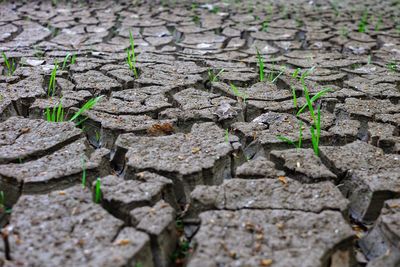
x=192, y=172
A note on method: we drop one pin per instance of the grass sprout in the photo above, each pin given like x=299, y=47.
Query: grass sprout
x=87, y=106
x=362, y=25
x=238, y=93
x=68, y=61
x=310, y=101
x=212, y=77
x=291, y=142
x=97, y=196
x=392, y=66
x=260, y=65
x=83, y=163
x=226, y=136
x=131, y=56
x=55, y=114
x=272, y=77
x=52, y=82
x=9, y=64
x=3, y=203
x=316, y=133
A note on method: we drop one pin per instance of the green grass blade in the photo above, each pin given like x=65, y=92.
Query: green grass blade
x=83, y=163
x=285, y=139
x=318, y=125
x=260, y=65
x=6, y=61
x=313, y=99
x=87, y=106
x=320, y=94
x=64, y=65
x=48, y=116
x=309, y=103
x=314, y=141
x=73, y=59
x=300, y=135
x=97, y=198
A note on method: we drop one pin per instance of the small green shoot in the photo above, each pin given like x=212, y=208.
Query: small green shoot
x=212, y=77
x=362, y=25
x=291, y=142
x=87, y=106
x=55, y=114
x=238, y=94
x=272, y=77
x=9, y=64
x=52, y=82
x=260, y=65
x=264, y=25
x=2, y=200
x=83, y=163
x=392, y=66
x=369, y=60
x=316, y=133
x=3, y=203
x=295, y=74
x=344, y=32
x=226, y=136
x=131, y=56
x=378, y=23
x=68, y=61
x=310, y=102
x=65, y=62
x=97, y=197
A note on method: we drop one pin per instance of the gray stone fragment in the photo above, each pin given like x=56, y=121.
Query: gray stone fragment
x=66, y=228
x=380, y=245
x=258, y=168
x=121, y=196
x=23, y=139
x=159, y=223
x=271, y=238
x=282, y=193
x=367, y=191
x=200, y=157
x=303, y=165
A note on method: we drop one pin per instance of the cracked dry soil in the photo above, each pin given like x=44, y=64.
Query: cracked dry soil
x=192, y=173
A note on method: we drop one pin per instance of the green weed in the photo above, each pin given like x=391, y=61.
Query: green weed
x=3, y=203
x=87, y=106
x=52, y=82
x=68, y=61
x=9, y=64
x=212, y=77
x=238, y=93
x=291, y=142
x=392, y=66
x=362, y=25
x=316, y=132
x=131, y=56
x=378, y=23
x=55, y=114
x=310, y=101
x=226, y=136
x=97, y=196
x=260, y=65
x=83, y=163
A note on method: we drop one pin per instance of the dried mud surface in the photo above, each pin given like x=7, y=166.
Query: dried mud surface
x=173, y=167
